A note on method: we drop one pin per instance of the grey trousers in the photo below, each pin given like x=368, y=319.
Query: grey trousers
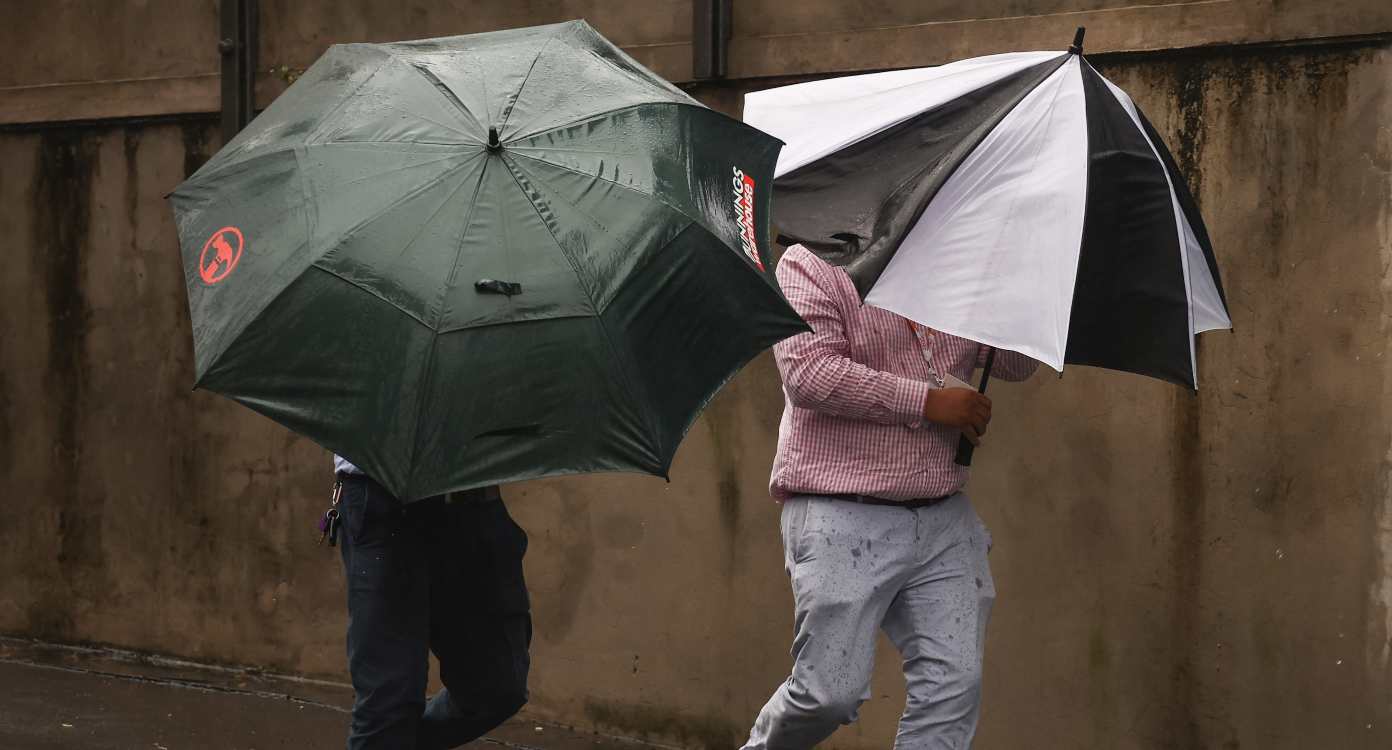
x=921, y=575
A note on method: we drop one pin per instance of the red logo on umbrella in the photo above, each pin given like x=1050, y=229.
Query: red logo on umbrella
x=220, y=255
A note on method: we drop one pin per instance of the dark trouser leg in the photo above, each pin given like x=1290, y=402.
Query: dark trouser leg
x=388, y=617
x=480, y=620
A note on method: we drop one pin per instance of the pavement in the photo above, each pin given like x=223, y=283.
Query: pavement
x=77, y=698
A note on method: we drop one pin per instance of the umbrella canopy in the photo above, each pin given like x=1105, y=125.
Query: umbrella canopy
x=1019, y=200
x=483, y=258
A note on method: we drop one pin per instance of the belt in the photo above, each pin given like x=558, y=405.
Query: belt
x=915, y=503
x=476, y=495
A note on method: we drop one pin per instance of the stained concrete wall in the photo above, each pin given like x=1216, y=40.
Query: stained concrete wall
x=1175, y=570
x=159, y=57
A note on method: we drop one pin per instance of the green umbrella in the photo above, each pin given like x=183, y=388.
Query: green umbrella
x=482, y=259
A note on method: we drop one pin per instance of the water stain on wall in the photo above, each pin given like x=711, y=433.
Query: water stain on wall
x=61, y=228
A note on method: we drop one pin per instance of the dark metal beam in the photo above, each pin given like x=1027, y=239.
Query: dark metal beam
x=237, y=44
x=710, y=38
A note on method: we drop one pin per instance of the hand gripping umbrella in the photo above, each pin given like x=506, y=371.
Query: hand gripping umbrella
x=482, y=258
x=1019, y=200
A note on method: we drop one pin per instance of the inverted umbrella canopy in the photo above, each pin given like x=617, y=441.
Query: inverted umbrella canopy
x=1019, y=200
x=483, y=258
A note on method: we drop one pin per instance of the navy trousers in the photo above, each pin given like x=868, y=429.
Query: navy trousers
x=440, y=575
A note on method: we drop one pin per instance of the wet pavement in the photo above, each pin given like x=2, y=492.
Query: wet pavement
x=55, y=697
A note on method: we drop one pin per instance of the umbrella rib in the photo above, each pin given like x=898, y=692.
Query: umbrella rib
x=602, y=178
x=433, y=121
x=464, y=232
x=357, y=284
x=394, y=170
x=690, y=221
x=1181, y=187
x=449, y=95
x=561, y=194
x=397, y=203
x=656, y=85
x=650, y=196
x=338, y=107
x=585, y=284
x=507, y=112
x=647, y=418
x=1062, y=60
x=428, y=380
x=421, y=229
x=636, y=71
x=811, y=107
x=352, y=142
x=607, y=112
x=569, y=150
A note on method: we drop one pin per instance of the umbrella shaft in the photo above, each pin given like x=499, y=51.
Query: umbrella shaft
x=964, y=446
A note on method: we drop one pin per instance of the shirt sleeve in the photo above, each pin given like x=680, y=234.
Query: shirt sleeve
x=817, y=370
x=1012, y=366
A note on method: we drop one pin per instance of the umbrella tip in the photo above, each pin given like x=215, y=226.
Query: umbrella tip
x=493, y=143
x=1077, y=47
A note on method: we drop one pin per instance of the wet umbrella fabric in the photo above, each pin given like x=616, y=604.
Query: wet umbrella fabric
x=1020, y=200
x=484, y=258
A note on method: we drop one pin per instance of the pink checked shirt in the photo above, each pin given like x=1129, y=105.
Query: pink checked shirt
x=855, y=389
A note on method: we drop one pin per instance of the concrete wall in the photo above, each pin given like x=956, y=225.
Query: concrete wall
x=1175, y=571
x=159, y=57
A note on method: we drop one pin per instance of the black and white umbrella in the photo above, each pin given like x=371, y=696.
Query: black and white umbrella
x=1018, y=200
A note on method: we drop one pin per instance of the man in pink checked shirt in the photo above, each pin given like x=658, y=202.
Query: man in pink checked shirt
x=876, y=530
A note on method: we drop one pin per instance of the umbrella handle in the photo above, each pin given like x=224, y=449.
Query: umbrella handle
x=964, y=446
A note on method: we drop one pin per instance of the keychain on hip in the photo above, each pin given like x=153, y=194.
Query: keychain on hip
x=329, y=522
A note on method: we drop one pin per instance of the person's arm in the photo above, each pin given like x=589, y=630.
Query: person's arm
x=1008, y=365
x=817, y=370
x=819, y=374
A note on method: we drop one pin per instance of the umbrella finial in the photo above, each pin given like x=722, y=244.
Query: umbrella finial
x=1077, y=47
x=493, y=143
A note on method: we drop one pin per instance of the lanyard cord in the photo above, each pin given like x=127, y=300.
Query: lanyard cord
x=925, y=348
